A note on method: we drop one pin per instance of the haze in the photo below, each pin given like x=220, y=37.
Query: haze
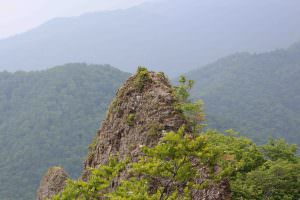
x=82, y=81
x=173, y=36
x=17, y=16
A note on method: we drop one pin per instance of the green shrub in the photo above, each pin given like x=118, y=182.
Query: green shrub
x=142, y=77
x=130, y=119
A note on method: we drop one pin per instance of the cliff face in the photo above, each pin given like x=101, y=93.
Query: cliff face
x=141, y=112
x=52, y=183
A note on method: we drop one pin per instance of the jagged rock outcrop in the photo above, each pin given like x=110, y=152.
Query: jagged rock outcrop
x=52, y=183
x=144, y=108
x=142, y=111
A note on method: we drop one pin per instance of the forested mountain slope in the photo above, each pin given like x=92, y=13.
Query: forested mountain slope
x=167, y=35
x=257, y=94
x=49, y=118
x=138, y=155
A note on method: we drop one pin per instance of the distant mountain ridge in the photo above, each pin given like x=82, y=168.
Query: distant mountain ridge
x=256, y=94
x=169, y=35
x=49, y=118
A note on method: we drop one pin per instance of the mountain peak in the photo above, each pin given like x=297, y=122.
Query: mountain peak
x=142, y=110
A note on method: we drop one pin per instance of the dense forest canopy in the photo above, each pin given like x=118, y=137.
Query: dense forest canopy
x=49, y=118
x=256, y=94
x=228, y=127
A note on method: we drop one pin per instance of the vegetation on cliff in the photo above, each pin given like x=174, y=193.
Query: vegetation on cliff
x=171, y=165
x=170, y=169
x=49, y=117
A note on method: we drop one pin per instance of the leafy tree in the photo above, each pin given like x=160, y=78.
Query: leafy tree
x=193, y=111
x=97, y=186
x=274, y=180
x=170, y=170
x=277, y=178
x=279, y=149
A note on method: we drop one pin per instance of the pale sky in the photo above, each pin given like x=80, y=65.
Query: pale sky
x=17, y=16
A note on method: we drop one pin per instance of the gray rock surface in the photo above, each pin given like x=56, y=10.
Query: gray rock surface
x=52, y=183
x=143, y=110
x=140, y=113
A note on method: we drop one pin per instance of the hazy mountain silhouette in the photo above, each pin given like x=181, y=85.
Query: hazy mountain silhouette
x=167, y=35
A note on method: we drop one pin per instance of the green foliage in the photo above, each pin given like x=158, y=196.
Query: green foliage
x=255, y=94
x=130, y=119
x=161, y=75
x=169, y=164
x=233, y=154
x=193, y=111
x=141, y=78
x=278, y=177
x=170, y=170
x=182, y=91
x=279, y=149
x=173, y=165
x=97, y=186
x=48, y=118
x=53, y=109
x=133, y=189
x=274, y=180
